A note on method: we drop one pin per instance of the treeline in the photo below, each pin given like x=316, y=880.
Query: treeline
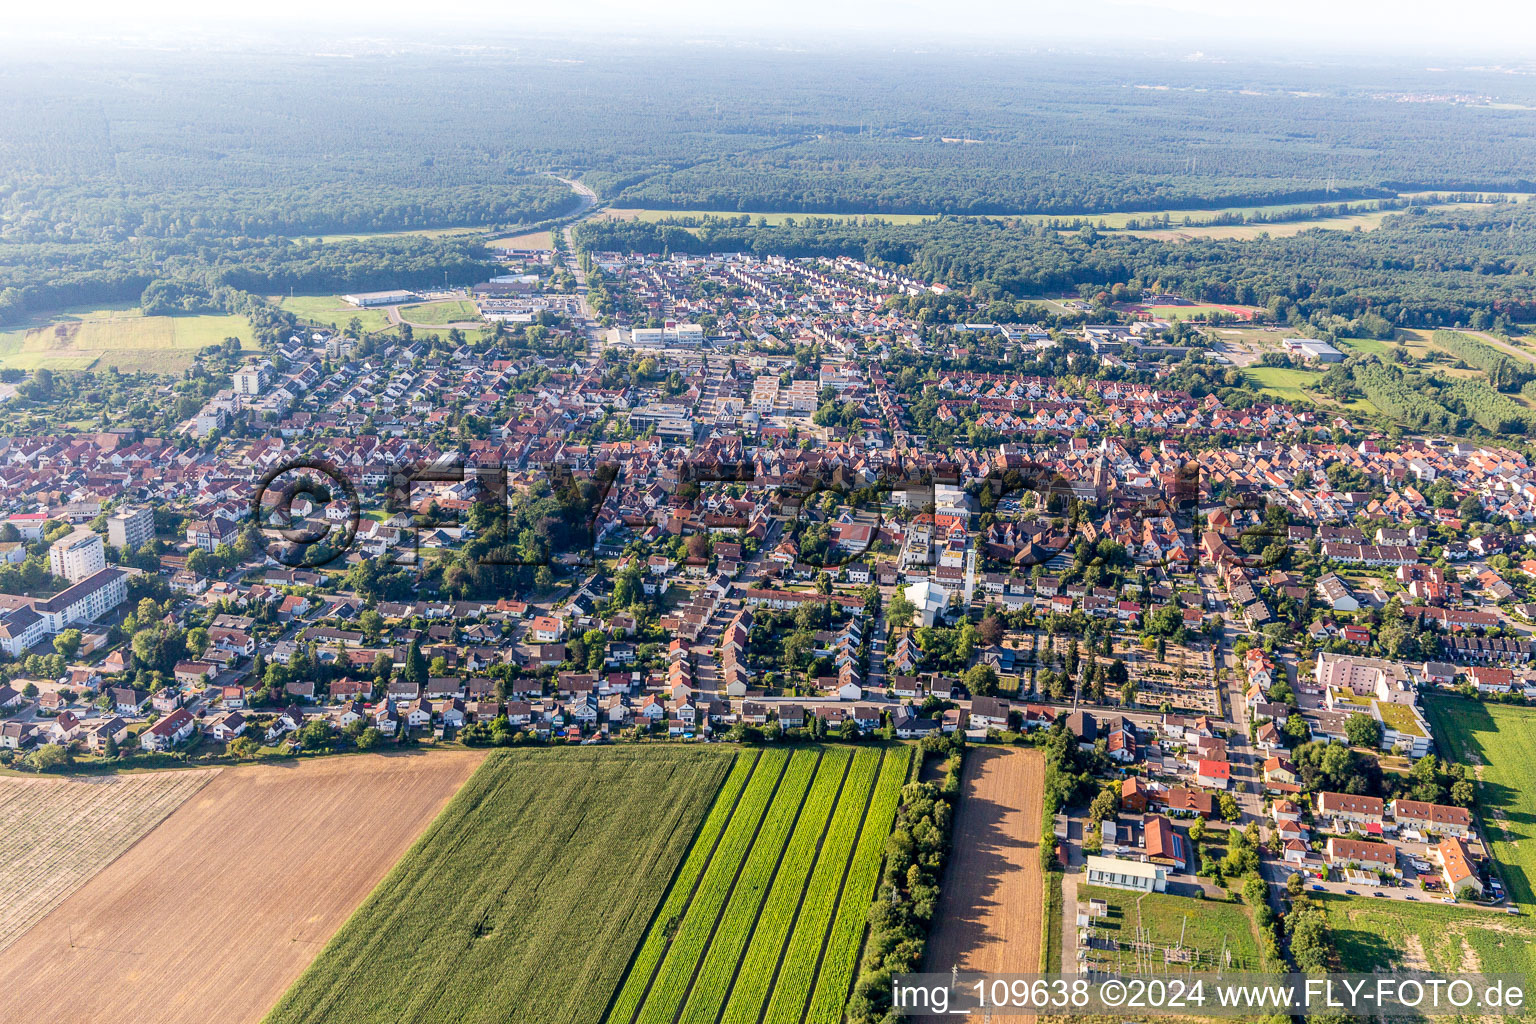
x=1399, y=396
x=110, y=211
x=186, y=275
x=902, y=912
x=1420, y=269
x=1504, y=372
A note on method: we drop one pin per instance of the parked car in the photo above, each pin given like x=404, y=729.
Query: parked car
x=1446, y=899
x=1350, y=892
x=1319, y=888
x=1381, y=894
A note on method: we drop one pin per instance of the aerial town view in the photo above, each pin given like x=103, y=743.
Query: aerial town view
x=744, y=518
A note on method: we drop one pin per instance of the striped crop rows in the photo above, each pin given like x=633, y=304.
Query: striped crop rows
x=764, y=920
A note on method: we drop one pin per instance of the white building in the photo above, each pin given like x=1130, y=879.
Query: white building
x=365, y=299
x=929, y=599
x=75, y=605
x=76, y=556
x=131, y=527
x=1126, y=874
x=250, y=380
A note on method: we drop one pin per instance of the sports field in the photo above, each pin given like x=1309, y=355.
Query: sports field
x=123, y=338
x=763, y=923
x=1495, y=741
x=526, y=897
x=1283, y=382
x=213, y=914
x=56, y=833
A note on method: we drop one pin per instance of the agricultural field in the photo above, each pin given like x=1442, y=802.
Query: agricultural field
x=438, y=313
x=408, y=233
x=1428, y=937
x=1495, y=742
x=528, y=240
x=257, y=870
x=765, y=217
x=765, y=920
x=992, y=901
x=56, y=833
x=531, y=890
x=1179, y=932
x=121, y=338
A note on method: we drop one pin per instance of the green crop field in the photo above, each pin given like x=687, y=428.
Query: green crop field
x=765, y=919
x=1372, y=935
x=1215, y=934
x=528, y=895
x=123, y=338
x=1495, y=741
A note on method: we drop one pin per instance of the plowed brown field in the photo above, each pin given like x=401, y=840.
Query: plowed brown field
x=56, y=833
x=212, y=915
x=992, y=902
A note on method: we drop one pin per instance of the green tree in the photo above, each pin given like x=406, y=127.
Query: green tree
x=980, y=680
x=899, y=611
x=67, y=643
x=1363, y=731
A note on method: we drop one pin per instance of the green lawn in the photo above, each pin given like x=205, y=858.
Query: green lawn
x=1370, y=346
x=1209, y=929
x=1496, y=741
x=1374, y=935
x=1283, y=382
x=530, y=891
x=768, y=928
x=440, y=312
x=122, y=337
x=331, y=309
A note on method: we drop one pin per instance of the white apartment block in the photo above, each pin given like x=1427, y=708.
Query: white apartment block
x=77, y=556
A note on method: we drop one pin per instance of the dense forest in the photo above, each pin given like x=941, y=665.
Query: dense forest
x=205, y=172
x=204, y=275
x=1422, y=268
x=699, y=128
x=97, y=211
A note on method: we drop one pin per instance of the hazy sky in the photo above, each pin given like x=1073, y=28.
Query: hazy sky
x=1426, y=26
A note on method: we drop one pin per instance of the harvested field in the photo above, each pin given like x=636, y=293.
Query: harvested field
x=993, y=897
x=56, y=833
x=214, y=913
